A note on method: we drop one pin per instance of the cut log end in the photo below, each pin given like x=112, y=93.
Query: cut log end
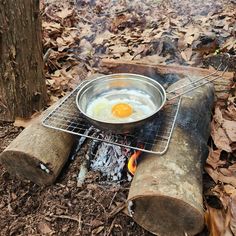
x=38, y=153
x=162, y=214
x=27, y=166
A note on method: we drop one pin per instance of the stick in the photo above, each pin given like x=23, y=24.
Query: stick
x=116, y=210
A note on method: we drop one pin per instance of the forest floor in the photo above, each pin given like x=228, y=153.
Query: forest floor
x=76, y=36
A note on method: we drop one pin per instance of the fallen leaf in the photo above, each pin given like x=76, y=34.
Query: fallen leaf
x=222, y=175
x=220, y=138
x=230, y=112
x=64, y=13
x=233, y=214
x=230, y=129
x=106, y=35
x=229, y=189
x=45, y=229
x=214, y=158
x=217, y=223
x=96, y=223
x=223, y=130
x=118, y=49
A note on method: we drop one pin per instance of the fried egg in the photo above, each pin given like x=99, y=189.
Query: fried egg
x=120, y=106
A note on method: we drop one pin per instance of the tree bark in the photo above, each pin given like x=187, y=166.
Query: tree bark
x=38, y=153
x=166, y=191
x=22, y=85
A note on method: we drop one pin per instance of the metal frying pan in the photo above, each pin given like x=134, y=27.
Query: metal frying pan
x=113, y=102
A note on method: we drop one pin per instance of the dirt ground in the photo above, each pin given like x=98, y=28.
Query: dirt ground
x=94, y=209
x=63, y=208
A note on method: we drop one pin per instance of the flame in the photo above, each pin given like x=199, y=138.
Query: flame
x=132, y=163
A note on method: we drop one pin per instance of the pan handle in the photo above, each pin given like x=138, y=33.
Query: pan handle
x=172, y=94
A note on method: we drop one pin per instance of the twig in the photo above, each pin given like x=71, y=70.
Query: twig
x=112, y=200
x=80, y=222
x=100, y=205
x=79, y=229
x=116, y=210
x=111, y=227
x=67, y=217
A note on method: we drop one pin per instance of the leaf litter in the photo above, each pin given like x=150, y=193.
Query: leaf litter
x=76, y=36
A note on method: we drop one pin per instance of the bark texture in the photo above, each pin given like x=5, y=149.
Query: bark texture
x=38, y=153
x=167, y=190
x=22, y=86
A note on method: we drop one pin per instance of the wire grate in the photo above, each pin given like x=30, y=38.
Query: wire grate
x=154, y=137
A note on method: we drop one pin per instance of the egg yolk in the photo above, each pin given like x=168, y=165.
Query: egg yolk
x=122, y=110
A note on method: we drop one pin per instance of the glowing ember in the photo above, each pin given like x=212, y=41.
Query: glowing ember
x=132, y=164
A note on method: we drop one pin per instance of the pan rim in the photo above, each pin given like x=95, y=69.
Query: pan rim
x=110, y=76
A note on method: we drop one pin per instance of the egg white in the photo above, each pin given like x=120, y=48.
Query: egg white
x=101, y=109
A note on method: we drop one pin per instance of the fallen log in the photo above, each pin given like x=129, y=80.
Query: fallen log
x=222, y=85
x=166, y=193
x=38, y=153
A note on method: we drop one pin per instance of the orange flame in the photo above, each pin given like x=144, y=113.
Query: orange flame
x=132, y=163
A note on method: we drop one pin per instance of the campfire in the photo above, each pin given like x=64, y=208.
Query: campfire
x=155, y=155
x=115, y=163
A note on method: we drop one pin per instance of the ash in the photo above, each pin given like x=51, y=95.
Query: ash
x=111, y=161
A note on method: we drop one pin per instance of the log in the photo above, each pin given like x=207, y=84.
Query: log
x=38, y=153
x=222, y=85
x=166, y=191
x=22, y=84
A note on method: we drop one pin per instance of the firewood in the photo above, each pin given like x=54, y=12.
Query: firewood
x=166, y=191
x=38, y=153
x=222, y=85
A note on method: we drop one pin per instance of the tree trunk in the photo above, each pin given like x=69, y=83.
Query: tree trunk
x=22, y=86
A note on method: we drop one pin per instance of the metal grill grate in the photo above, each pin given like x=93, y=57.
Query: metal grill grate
x=154, y=137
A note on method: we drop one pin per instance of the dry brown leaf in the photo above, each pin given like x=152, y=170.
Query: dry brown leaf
x=230, y=112
x=45, y=229
x=187, y=54
x=118, y=21
x=51, y=26
x=222, y=175
x=188, y=39
x=217, y=222
x=64, y=13
x=230, y=129
x=24, y=122
x=220, y=138
x=118, y=49
x=106, y=35
x=181, y=43
x=229, y=189
x=214, y=159
x=223, y=130
x=233, y=214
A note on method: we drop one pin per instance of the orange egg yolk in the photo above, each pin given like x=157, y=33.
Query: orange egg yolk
x=122, y=110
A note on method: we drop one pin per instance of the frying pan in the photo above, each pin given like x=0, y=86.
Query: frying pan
x=134, y=87
x=138, y=88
